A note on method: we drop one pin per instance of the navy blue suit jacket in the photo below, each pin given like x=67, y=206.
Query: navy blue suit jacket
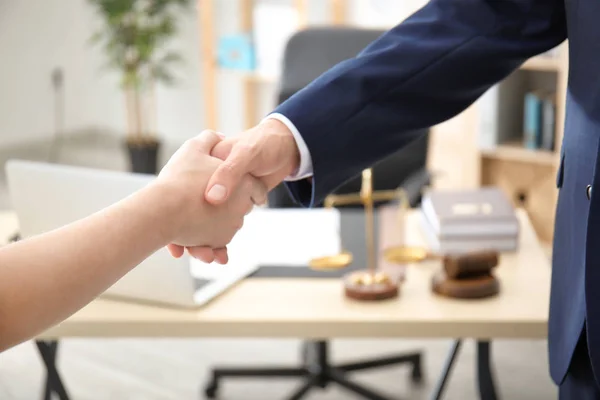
x=433, y=66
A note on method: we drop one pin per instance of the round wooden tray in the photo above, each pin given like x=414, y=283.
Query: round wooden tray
x=472, y=288
x=356, y=288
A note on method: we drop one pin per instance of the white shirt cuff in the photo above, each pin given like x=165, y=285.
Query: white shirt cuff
x=305, y=169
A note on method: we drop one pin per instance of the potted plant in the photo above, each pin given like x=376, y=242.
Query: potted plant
x=134, y=36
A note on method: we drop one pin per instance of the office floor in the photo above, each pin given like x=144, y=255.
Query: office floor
x=168, y=369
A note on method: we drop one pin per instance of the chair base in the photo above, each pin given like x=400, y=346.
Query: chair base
x=319, y=373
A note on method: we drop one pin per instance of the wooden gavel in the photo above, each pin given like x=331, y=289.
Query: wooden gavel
x=470, y=265
x=467, y=276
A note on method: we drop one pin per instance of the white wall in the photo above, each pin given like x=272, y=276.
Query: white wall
x=35, y=37
x=38, y=35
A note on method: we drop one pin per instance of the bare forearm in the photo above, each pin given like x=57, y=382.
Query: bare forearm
x=46, y=278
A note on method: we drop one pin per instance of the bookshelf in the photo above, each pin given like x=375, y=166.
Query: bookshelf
x=528, y=175
x=515, y=151
x=542, y=64
x=456, y=153
x=250, y=80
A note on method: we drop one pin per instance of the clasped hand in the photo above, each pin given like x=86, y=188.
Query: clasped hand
x=222, y=179
x=198, y=222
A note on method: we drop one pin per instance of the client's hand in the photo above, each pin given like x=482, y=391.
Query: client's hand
x=267, y=151
x=199, y=225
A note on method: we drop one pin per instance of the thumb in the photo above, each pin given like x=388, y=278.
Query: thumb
x=229, y=173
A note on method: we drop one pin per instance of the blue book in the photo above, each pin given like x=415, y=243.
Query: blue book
x=236, y=52
x=533, y=121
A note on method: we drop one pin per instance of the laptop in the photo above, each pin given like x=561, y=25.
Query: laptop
x=47, y=196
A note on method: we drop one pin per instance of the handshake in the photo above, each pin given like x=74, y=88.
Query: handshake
x=215, y=182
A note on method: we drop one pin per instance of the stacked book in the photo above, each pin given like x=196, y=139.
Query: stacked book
x=458, y=221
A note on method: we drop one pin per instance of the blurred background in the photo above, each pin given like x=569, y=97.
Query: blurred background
x=72, y=92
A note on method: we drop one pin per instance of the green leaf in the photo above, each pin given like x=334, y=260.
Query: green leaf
x=170, y=57
x=160, y=74
x=135, y=35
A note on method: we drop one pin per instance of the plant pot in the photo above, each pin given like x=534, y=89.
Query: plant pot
x=143, y=156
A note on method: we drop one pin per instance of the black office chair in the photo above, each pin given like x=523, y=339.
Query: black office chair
x=313, y=51
x=308, y=54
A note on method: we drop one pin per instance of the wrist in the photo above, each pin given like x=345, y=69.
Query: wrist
x=169, y=206
x=287, y=143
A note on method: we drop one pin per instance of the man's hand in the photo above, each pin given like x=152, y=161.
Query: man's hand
x=200, y=225
x=268, y=151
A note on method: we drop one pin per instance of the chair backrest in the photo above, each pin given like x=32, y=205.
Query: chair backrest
x=311, y=52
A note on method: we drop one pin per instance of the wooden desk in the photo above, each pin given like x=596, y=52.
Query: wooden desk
x=316, y=308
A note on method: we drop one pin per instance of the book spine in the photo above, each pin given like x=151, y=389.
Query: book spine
x=500, y=228
x=532, y=121
x=445, y=246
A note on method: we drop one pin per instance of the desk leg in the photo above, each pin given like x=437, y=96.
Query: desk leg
x=54, y=384
x=485, y=380
x=438, y=392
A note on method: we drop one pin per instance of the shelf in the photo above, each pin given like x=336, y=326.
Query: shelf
x=541, y=63
x=516, y=152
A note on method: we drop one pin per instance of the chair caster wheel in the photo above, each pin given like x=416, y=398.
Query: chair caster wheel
x=211, y=391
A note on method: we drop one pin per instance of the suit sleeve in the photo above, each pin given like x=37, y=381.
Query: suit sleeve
x=422, y=72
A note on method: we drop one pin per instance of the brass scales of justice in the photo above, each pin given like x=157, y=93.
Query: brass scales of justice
x=462, y=276
x=371, y=283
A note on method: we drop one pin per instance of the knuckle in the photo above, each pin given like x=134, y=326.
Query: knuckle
x=206, y=135
x=189, y=142
x=201, y=139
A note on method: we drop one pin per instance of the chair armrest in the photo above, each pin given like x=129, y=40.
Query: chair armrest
x=414, y=185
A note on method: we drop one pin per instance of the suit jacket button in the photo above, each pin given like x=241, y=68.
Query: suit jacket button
x=588, y=191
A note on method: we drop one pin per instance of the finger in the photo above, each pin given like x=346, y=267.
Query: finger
x=249, y=207
x=202, y=253
x=206, y=140
x=221, y=255
x=259, y=192
x=223, y=148
x=253, y=190
x=230, y=173
x=175, y=250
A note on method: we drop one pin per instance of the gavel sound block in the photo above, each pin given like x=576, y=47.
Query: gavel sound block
x=370, y=286
x=467, y=276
